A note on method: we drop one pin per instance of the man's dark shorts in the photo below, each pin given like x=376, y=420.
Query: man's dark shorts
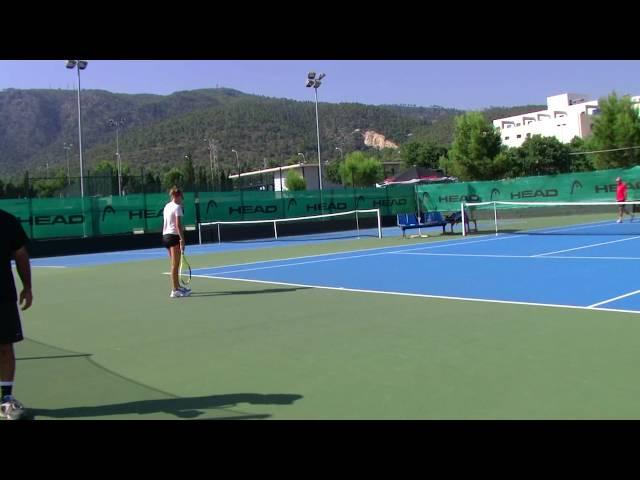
x=10, y=326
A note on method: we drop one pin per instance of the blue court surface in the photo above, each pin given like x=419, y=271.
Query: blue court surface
x=587, y=267
x=105, y=258
x=592, y=271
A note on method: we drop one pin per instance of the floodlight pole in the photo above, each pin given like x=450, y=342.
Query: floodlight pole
x=315, y=89
x=79, y=65
x=67, y=147
x=80, y=137
x=238, y=162
x=315, y=82
x=118, y=124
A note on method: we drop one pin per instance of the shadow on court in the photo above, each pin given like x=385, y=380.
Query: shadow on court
x=179, y=407
x=248, y=292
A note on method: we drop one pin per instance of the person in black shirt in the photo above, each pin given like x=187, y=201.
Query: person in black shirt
x=13, y=242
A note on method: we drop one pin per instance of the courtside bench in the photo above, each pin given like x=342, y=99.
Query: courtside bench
x=407, y=221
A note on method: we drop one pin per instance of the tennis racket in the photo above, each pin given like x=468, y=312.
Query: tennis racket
x=185, y=273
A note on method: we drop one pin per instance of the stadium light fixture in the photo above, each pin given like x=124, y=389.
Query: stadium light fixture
x=314, y=82
x=117, y=124
x=81, y=65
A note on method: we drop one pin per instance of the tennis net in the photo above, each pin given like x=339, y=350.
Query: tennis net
x=351, y=224
x=551, y=218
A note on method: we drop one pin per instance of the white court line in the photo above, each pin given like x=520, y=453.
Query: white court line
x=300, y=263
x=268, y=267
x=421, y=295
x=581, y=226
x=514, y=256
x=586, y=246
x=592, y=258
x=129, y=253
x=426, y=245
x=48, y=266
x=461, y=255
x=613, y=299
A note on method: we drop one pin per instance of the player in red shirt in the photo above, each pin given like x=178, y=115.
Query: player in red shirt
x=621, y=196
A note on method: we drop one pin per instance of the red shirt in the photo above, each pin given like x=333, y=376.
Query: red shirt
x=621, y=192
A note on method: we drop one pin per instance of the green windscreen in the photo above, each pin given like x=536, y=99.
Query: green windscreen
x=93, y=216
x=568, y=187
x=253, y=205
x=68, y=217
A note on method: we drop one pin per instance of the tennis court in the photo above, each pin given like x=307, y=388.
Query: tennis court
x=541, y=325
x=544, y=270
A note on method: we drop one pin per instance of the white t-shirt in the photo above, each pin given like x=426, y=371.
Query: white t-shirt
x=171, y=211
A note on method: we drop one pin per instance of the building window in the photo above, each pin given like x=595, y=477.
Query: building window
x=518, y=136
x=506, y=138
x=528, y=135
x=517, y=124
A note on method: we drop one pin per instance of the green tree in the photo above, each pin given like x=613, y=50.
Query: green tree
x=332, y=171
x=150, y=183
x=173, y=177
x=617, y=126
x=26, y=189
x=223, y=181
x=544, y=156
x=536, y=156
x=104, y=168
x=295, y=182
x=10, y=190
x=203, y=181
x=360, y=170
x=508, y=163
x=188, y=172
x=422, y=154
x=49, y=187
x=130, y=183
x=582, y=162
x=475, y=147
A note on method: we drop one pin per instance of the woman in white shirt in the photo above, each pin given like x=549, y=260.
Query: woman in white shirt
x=173, y=238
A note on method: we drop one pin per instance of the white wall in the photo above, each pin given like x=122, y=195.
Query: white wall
x=568, y=115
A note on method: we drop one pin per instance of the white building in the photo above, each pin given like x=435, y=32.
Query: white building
x=567, y=116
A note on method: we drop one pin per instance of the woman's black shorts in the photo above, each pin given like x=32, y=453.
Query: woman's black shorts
x=170, y=240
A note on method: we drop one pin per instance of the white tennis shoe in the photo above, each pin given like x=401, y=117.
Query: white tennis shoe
x=178, y=294
x=12, y=409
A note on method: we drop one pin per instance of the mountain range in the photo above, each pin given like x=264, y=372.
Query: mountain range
x=159, y=130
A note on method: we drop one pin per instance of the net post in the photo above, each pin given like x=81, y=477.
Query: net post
x=464, y=230
x=275, y=228
x=379, y=223
x=199, y=233
x=495, y=216
x=219, y=239
x=357, y=224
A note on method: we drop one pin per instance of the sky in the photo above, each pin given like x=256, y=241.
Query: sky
x=462, y=84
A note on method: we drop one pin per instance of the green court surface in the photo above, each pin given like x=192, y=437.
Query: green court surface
x=106, y=342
